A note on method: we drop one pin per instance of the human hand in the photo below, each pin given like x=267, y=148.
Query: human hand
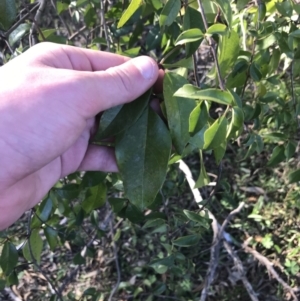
x=49, y=97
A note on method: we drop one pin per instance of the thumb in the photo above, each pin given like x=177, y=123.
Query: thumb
x=119, y=84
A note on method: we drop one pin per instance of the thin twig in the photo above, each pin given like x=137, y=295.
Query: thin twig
x=104, y=25
x=293, y=94
x=240, y=268
x=265, y=261
x=115, y=251
x=211, y=43
x=33, y=30
x=197, y=79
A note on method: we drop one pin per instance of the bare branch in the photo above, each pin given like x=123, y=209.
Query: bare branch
x=265, y=261
x=104, y=25
x=34, y=28
x=240, y=268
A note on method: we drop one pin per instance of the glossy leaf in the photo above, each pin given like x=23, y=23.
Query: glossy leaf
x=9, y=258
x=228, y=51
x=215, y=135
x=188, y=36
x=198, y=118
x=277, y=156
x=255, y=72
x=95, y=198
x=142, y=154
x=178, y=110
x=119, y=118
x=33, y=253
x=215, y=95
x=43, y=212
x=187, y=241
x=52, y=237
x=217, y=29
x=169, y=12
x=8, y=13
x=132, y=8
x=294, y=176
x=18, y=33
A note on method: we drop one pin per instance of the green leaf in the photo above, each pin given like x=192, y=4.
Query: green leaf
x=290, y=150
x=277, y=156
x=8, y=13
x=294, y=176
x=36, y=245
x=187, y=241
x=236, y=124
x=95, y=198
x=90, y=15
x=43, y=212
x=219, y=152
x=92, y=178
x=255, y=72
x=215, y=95
x=203, y=178
x=198, y=139
x=9, y=258
x=18, y=33
x=119, y=118
x=169, y=12
x=192, y=19
x=142, y=154
x=198, y=118
x=188, y=36
x=52, y=237
x=162, y=265
x=198, y=218
x=215, y=135
x=131, y=9
x=178, y=110
x=117, y=204
x=217, y=29
x=228, y=51
x=225, y=8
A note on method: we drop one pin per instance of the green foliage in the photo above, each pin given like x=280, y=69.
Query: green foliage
x=230, y=99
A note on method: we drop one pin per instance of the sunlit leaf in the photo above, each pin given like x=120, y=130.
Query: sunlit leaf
x=225, y=8
x=215, y=95
x=215, y=135
x=131, y=9
x=188, y=36
x=18, y=33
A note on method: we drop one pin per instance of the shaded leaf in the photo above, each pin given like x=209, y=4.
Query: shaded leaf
x=9, y=258
x=43, y=212
x=203, y=178
x=52, y=237
x=290, y=149
x=187, y=241
x=178, y=110
x=8, y=13
x=294, y=176
x=277, y=156
x=142, y=154
x=36, y=245
x=95, y=198
x=198, y=218
x=169, y=12
x=225, y=8
x=119, y=118
x=255, y=72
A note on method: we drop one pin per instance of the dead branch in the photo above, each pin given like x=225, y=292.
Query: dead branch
x=265, y=261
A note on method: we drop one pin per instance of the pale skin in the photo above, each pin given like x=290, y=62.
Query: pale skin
x=49, y=97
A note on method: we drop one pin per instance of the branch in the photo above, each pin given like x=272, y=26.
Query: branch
x=240, y=268
x=104, y=25
x=34, y=28
x=211, y=43
x=265, y=261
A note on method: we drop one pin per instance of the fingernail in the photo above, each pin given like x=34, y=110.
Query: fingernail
x=145, y=66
